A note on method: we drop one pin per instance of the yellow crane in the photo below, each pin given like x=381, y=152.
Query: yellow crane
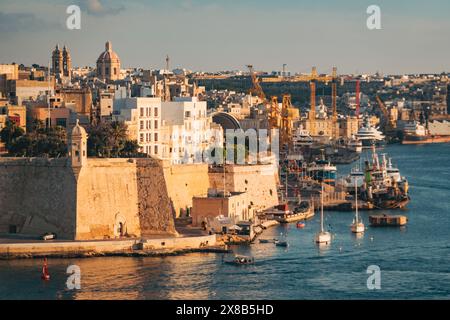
x=313, y=78
x=256, y=87
x=389, y=124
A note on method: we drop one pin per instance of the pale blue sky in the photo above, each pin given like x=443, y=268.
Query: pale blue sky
x=215, y=35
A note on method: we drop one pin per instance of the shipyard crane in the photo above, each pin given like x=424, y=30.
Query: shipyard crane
x=388, y=125
x=256, y=87
x=286, y=120
x=313, y=78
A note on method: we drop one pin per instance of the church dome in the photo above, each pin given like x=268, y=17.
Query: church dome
x=108, y=56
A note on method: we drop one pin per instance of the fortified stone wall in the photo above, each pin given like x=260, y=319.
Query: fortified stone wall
x=110, y=196
x=37, y=196
x=107, y=196
x=259, y=181
x=185, y=182
x=155, y=208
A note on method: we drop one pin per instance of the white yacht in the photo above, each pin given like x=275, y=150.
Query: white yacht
x=369, y=135
x=355, y=145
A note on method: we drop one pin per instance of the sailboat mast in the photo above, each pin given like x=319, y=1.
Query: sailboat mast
x=321, y=209
x=356, y=200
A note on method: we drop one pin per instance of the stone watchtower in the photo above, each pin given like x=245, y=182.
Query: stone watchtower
x=78, y=148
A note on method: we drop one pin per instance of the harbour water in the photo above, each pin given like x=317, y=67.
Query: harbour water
x=414, y=261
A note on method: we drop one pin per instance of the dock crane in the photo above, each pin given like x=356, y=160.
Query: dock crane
x=256, y=87
x=313, y=78
x=388, y=124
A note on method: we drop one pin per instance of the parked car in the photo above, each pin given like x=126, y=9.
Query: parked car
x=49, y=236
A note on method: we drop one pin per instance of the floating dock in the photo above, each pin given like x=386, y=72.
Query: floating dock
x=388, y=221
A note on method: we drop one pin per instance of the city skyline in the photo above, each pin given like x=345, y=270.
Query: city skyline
x=217, y=35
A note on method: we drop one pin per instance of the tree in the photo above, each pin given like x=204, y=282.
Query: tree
x=39, y=142
x=109, y=139
x=10, y=133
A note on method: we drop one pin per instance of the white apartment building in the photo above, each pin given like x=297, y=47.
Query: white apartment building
x=143, y=117
x=188, y=130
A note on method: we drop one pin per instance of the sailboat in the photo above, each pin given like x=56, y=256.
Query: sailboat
x=357, y=225
x=322, y=237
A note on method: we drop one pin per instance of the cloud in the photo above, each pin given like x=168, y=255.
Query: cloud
x=18, y=22
x=97, y=8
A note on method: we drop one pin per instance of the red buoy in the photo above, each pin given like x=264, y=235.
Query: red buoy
x=45, y=275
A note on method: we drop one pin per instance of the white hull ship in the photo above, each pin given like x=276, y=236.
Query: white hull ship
x=369, y=135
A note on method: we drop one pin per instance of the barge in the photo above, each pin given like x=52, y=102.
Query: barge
x=388, y=220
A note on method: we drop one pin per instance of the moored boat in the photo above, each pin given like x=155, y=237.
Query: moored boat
x=240, y=260
x=283, y=214
x=369, y=135
x=322, y=237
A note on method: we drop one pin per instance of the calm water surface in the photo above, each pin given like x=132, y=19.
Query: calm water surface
x=414, y=261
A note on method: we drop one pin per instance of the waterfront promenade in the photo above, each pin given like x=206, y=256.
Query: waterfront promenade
x=149, y=246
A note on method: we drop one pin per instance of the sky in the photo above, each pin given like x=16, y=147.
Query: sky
x=213, y=35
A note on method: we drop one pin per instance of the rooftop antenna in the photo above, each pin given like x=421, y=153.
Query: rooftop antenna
x=167, y=62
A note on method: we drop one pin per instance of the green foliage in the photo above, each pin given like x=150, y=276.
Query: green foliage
x=109, y=140
x=10, y=133
x=39, y=142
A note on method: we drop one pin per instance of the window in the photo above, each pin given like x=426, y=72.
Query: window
x=115, y=71
x=141, y=125
x=156, y=136
x=142, y=112
x=156, y=149
x=147, y=112
x=156, y=124
x=156, y=112
x=141, y=137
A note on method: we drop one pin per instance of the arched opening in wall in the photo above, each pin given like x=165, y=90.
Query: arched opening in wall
x=120, y=226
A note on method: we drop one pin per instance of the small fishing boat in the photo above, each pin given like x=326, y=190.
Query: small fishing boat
x=322, y=237
x=357, y=225
x=240, y=260
x=301, y=225
x=267, y=240
x=281, y=243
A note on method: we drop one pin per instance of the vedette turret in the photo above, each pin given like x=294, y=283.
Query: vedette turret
x=78, y=148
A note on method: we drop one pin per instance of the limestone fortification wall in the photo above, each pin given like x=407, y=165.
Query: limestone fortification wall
x=154, y=205
x=40, y=195
x=259, y=181
x=107, y=196
x=139, y=196
x=37, y=195
x=185, y=182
